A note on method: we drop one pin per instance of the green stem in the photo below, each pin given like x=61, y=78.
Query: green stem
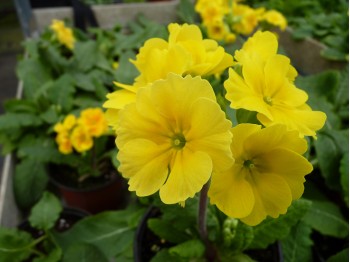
x=210, y=252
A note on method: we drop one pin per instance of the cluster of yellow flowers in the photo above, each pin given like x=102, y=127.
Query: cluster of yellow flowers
x=173, y=137
x=64, y=34
x=224, y=19
x=78, y=133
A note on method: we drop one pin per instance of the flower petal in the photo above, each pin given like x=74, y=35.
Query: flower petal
x=272, y=197
x=231, y=193
x=189, y=172
x=145, y=164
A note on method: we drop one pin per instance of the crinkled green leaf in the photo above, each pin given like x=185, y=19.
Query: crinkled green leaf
x=14, y=245
x=164, y=255
x=296, y=247
x=61, y=92
x=46, y=212
x=18, y=120
x=109, y=231
x=54, y=256
x=193, y=248
x=344, y=176
x=271, y=230
x=186, y=12
x=83, y=81
x=328, y=155
x=20, y=105
x=84, y=252
x=326, y=218
x=126, y=72
x=85, y=54
x=340, y=257
x=245, y=116
x=30, y=181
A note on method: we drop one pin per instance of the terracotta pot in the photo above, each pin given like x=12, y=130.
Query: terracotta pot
x=100, y=195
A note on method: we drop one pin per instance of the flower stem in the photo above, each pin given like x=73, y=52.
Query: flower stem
x=210, y=252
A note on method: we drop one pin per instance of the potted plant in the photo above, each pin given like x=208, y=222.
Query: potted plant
x=73, y=71
x=181, y=142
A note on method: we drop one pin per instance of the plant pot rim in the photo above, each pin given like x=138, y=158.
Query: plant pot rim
x=57, y=183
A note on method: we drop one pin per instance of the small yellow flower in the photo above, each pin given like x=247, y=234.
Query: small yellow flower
x=94, y=121
x=81, y=139
x=267, y=175
x=275, y=18
x=64, y=34
x=64, y=143
x=177, y=131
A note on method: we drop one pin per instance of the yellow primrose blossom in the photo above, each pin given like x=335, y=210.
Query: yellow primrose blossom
x=64, y=34
x=267, y=175
x=94, y=121
x=248, y=18
x=81, y=139
x=68, y=123
x=64, y=143
x=268, y=91
x=186, y=52
x=176, y=128
x=275, y=18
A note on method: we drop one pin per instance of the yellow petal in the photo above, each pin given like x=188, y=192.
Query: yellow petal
x=139, y=159
x=231, y=193
x=190, y=171
x=272, y=195
x=291, y=166
x=118, y=99
x=241, y=133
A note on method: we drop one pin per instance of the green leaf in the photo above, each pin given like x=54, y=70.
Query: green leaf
x=18, y=120
x=344, y=176
x=54, y=256
x=164, y=255
x=20, y=105
x=334, y=54
x=126, y=72
x=297, y=245
x=85, y=54
x=245, y=116
x=166, y=230
x=193, y=248
x=328, y=155
x=271, y=230
x=33, y=74
x=84, y=252
x=342, y=256
x=326, y=218
x=30, y=181
x=109, y=231
x=51, y=115
x=83, y=81
x=61, y=92
x=14, y=245
x=46, y=212
x=186, y=12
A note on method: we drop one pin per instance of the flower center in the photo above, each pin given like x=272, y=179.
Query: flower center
x=178, y=141
x=248, y=164
x=268, y=100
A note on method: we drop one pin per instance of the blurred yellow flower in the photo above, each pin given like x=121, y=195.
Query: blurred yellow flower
x=275, y=18
x=247, y=18
x=68, y=123
x=64, y=34
x=64, y=143
x=94, y=121
x=267, y=175
x=178, y=131
x=81, y=139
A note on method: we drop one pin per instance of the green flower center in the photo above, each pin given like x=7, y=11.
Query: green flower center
x=268, y=100
x=248, y=164
x=178, y=141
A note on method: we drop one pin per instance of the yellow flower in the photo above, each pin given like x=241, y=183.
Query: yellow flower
x=275, y=18
x=248, y=18
x=64, y=143
x=81, y=139
x=266, y=88
x=217, y=30
x=67, y=124
x=94, y=121
x=186, y=52
x=172, y=138
x=64, y=34
x=267, y=175
x=211, y=10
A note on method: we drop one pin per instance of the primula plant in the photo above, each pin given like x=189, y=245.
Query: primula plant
x=225, y=20
x=191, y=132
